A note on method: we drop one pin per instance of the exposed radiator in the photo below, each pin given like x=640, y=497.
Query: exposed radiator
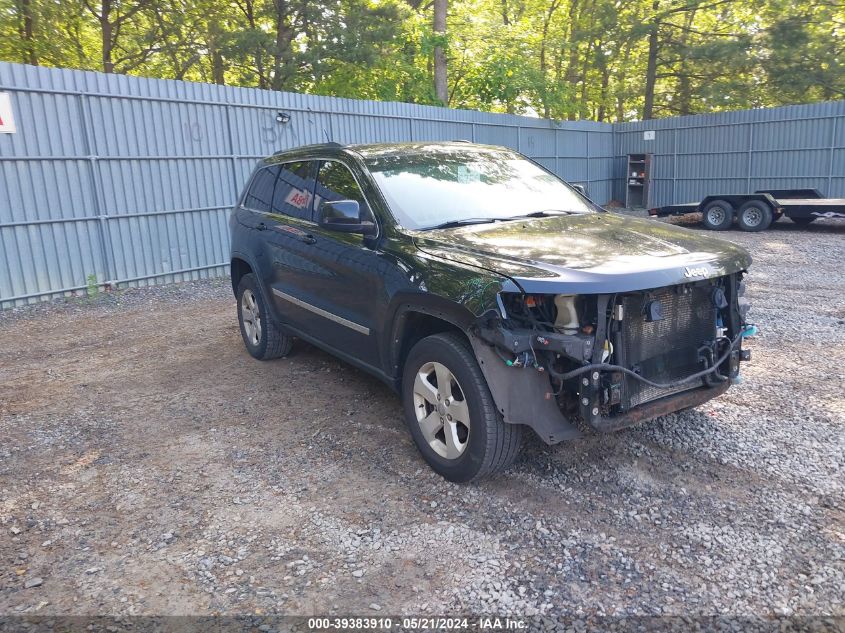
x=666, y=349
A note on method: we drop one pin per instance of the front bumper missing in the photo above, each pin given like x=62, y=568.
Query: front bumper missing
x=656, y=408
x=525, y=396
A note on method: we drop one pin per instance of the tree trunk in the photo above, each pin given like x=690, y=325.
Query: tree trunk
x=571, y=77
x=441, y=86
x=651, y=67
x=585, y=73
x=547, y=19
x=684, y=83
x=284, y=38
x=601, y=60
x=26, y=33
x=217, y=69
x=248, y=9
x=620, y=80
x=213, y=42
x=106, y=35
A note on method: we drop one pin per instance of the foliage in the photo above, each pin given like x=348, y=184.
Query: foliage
x=564, y=59
x=92, y=286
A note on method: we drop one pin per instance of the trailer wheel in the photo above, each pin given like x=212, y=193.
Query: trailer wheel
x=754, y=215
x=803, y=221
x=718, y=215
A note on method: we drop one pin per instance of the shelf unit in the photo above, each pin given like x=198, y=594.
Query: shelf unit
x=637, y=178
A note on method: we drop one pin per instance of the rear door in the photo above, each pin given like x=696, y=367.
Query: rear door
x=286, y=225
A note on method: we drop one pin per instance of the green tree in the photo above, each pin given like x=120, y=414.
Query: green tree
x=561, y=59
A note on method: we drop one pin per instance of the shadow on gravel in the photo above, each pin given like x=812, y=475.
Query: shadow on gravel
x=317, y=358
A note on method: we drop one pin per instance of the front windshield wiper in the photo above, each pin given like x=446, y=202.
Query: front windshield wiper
x=548, y=213
x=462, y=222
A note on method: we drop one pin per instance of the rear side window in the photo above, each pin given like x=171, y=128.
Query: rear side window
x=336, y=182
x=259, y=197
x=285, y=189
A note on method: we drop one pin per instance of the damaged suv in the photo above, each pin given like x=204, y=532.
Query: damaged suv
x=489, y=293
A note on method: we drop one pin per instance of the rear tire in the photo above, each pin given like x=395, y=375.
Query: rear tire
x=805, y=221
x=717, y=215
x=455, y=425
x=754, y=215
x=262, y=337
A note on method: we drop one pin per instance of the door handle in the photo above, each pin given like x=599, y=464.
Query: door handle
x=261, y=226
x=308, y=238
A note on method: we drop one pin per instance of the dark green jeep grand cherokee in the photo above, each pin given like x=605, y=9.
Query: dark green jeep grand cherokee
x=489, y=293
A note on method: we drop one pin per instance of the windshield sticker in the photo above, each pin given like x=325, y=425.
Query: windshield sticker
x=468, y=174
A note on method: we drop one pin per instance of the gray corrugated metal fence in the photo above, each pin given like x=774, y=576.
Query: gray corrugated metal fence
x=117, y=179
x=792, y=147
x=130, y=180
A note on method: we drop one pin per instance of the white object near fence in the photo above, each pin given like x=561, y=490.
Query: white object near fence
x=7, y=117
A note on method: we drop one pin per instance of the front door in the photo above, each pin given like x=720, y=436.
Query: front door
x=325, y=283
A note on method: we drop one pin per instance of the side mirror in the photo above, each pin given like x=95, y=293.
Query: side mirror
x=344, y=216
x=580, y=189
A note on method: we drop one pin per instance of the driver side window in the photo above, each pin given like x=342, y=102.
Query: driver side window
x=336, y=182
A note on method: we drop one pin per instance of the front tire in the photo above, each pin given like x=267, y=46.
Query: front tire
x=754, y=215
x=718, y=215
x=451, y=414
x=262, y=337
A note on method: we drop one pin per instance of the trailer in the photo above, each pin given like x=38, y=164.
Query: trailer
x=756, y=211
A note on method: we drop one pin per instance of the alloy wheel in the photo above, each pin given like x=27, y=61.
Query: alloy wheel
x=441, y=410
x=251, y=316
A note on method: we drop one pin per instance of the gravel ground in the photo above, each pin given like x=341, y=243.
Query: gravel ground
x=150, y=466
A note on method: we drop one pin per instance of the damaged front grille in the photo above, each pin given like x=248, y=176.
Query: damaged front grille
x=666, y=348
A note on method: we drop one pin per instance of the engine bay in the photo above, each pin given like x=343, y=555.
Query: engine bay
x=605, y=355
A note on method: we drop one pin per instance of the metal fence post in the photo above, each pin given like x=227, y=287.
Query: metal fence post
x=832, y=157
x=586, y=151
x=750, y=156
x=234, y=158
x=86, y=122
x=674, y=164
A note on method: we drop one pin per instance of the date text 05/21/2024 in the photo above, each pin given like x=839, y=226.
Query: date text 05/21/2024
x=422, y=623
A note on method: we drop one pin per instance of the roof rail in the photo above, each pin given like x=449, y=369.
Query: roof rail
x=328, y=144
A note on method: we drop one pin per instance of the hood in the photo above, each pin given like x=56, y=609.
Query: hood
x=588, y=253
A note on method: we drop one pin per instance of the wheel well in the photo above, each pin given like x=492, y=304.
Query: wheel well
x=417, y=326
x=239, y=268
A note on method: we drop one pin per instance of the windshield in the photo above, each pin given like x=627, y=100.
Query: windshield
x=429, y=189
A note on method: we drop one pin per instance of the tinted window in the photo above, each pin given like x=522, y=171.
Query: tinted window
x=336, y=182
x=285, y=189
x=294, y=188
x=436, y=185
x=260, y=194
